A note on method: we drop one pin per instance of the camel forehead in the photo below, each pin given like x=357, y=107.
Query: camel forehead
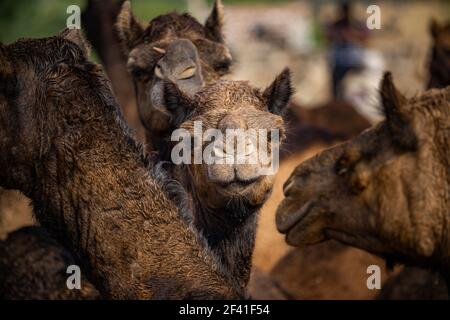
x=174, y=25
x=228, y=94
x=237, y=98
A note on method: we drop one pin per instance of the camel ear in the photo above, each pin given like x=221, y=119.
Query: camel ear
x=76, y=36
x=129, y=29
x=177, y=103
x=214, y=23
x=435, y=28
x=277, y=95
x=398, y=116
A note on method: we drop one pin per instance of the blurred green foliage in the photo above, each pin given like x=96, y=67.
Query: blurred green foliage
x=42, y=18
x=37, y=18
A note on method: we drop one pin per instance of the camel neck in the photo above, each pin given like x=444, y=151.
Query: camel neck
x=230, y=232
x=229, y=228
x=99, y=199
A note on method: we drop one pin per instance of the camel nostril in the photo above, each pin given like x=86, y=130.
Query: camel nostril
x=231, y=122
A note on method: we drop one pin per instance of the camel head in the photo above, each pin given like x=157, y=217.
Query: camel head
x=175, y=47
x=242, y=120
x=386, y=191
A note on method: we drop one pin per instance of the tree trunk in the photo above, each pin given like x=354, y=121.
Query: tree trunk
x=99, y=18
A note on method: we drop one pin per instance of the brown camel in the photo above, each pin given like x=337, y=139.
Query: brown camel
x=386, y=191
x=66, y=146
x=440, y=55
x=173, y=46
x=223, y=200
x=410, y=283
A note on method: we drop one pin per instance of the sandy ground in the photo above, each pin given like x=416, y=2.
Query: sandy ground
x=15, y=212
x=270, y=244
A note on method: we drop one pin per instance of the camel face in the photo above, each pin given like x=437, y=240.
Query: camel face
x=440, y=57
x=230, y=108
x=174, y=47
x=385, y=191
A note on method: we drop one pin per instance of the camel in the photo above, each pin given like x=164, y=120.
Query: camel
x=66, y=146
x=316, y=124
x=386, y=191
x=173, y=46
x=439, y=66
x=224, y=200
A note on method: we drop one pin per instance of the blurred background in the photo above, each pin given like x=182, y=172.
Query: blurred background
x=264, y=37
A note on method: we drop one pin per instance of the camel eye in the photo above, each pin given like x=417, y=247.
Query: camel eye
x=348, y=161
x=139, y=73
x=187, y=73
x=342, y=166
x=222, y=66
x=158, y=72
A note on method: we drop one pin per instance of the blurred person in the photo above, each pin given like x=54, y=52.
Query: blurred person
x=347, y=37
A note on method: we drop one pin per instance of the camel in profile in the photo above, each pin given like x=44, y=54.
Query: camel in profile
x=386, y=191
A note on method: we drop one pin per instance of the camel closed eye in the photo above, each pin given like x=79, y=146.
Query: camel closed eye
x=187, y=73
x=342, y=166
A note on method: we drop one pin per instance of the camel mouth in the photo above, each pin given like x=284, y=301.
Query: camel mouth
x=239, y=184
x=287, y=220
